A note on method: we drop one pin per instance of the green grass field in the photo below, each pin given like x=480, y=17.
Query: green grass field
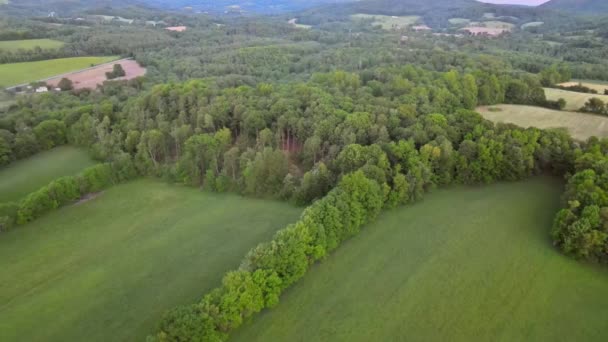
x=19, y=73
x=580, y=125
x=574, y=100
x=107, y=269
x=28, y=175
x=466, y=264
x=388, y=22
x=30, y=44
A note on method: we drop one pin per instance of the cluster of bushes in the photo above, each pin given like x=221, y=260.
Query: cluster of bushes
x=581, y=227
x=580, y=88
x=66, y=190
x=560, y=104
x=596, y=106
x=271, y=267
x=116, y=72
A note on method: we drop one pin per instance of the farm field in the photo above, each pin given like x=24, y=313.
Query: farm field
x=25, y=176
x=580, y=125
x=388, y=22
x=575, y=100
x=107, y=269
x=597, y=85
x=30, y=44
x=19, y=73
x=91, y=78
x=465, y=264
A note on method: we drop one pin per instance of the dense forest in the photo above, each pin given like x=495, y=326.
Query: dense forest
x=344, y=118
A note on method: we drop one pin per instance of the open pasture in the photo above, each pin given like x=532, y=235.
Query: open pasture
x=388, y=22
x=25, y=176
x=19, y=73
x=107, y=269
x=580, y=125
x=574, y=100
x=465, y=264
x=30, y=44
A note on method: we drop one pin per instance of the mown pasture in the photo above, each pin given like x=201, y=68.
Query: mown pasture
x=388, y=22
x=465, y=264
x=107, y=269
x=30, y=44
x=580, y=125
x=574, y=100
x=25, y=176
x=20, y=73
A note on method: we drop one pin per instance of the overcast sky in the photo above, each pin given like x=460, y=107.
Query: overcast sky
x=516, y=2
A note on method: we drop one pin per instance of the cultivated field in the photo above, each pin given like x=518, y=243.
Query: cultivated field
x=107, y=269
x=30, y=44
x=581, y=126
x=93, y=77
x=465, y=264
x=25, y=176
x=20, y=73
x=597, y=85
x=574, y=100
x=388, y=22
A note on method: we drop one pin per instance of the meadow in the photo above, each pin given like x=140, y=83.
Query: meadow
x=388, y=22
x=574, y=100
x=28, y=175
x=465, y=264
x=580, y=125
x=20, y=73
x=30, y=44
x=108, y=269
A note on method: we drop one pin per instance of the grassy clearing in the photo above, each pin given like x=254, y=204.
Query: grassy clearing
x=107, y=269
x=19, y=73
x=466, y=264
x=580, y=125
x=30, y=44
x=388, y=22
x=575, y=100
x=24, y=176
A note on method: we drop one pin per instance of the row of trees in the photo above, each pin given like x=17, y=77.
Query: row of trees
x=66, y=190
x=271, y=267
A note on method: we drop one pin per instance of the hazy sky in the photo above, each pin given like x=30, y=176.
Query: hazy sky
x=516, y=2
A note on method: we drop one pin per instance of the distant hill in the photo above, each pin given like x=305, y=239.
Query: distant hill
x=581, y=6
x=435, y=13
x=255, y=6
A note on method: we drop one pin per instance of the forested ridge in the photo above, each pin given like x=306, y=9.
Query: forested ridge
x=345, y=119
